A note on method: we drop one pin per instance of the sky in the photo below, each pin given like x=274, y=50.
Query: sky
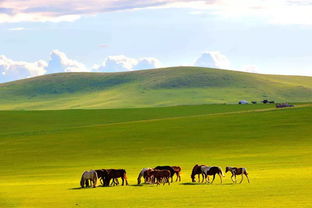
x=38, y=37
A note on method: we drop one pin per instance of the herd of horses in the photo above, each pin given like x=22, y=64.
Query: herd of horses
x=158, y=175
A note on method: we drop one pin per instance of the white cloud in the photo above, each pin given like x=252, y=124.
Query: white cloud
x=213, y=59
x=124, y=63
x=12, y=70
x=59, y=62
x=273, y=11
x=147, y=63
x=16, y=29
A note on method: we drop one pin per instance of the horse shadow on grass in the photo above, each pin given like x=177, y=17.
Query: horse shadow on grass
x=204, y=184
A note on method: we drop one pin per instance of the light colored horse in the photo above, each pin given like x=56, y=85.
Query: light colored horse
x=142, y=174
x=212, y=170
x=237, y=171
x=89, y=175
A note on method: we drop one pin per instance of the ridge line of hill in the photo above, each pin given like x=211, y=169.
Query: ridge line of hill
x=151, y=88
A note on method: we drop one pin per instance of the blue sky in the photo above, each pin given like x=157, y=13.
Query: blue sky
x=263, y=36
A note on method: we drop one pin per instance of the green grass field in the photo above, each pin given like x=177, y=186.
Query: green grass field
x=150, y=88
x=43, y=154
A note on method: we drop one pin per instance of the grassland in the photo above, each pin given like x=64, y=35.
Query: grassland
x=43, y=154
x=150, y=88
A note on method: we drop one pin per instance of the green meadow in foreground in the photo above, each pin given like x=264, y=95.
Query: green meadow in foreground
x=150, y=88
x=43, y=154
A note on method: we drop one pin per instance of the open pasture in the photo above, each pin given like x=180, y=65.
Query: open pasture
x=44, y=153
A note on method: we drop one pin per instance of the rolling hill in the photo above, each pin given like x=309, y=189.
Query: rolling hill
x=147, y=88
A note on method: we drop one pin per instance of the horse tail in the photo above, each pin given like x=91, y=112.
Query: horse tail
x=125, y=175
x=82, y=180
x=96, y=175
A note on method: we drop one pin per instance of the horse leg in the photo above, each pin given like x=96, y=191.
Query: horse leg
x=208, y=179
x=203, y=178
x=213, y=178
x=94, y=183
x=123, y=181
x=83, y=183
x=247, y=177
x=220, y=177
x=198, y=178
x=242, y=178
x=232, y=178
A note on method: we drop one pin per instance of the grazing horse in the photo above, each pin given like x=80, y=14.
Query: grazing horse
x=88, y=175
x=172, y=172
x=197, y=171
x=237, y=171
x=109, y=174
x=144, y=175
x=213, y=170
x=159, y=176
x=177, y=170
x=101, y=175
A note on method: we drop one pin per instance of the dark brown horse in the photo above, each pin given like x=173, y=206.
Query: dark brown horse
x=109, y=174
x=101, y=176
x=197, y=170
x=172, y=172
x=159, y=176
x=237, y=171
x=177, y=170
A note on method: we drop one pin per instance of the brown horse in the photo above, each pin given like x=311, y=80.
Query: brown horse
x=159, y=176
x=172, y=172
x=109, y=174
x=237, y=171
x=197, y=170
x=177, y=170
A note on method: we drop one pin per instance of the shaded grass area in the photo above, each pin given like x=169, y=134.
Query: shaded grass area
x=43, y=167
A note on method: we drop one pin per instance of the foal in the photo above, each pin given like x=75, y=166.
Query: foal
x=171, y=170
x=159, y=176
x=177, y=170
x=237, y=171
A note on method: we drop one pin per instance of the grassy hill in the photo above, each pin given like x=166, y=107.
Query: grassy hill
x=43, y=154
x=147, y=88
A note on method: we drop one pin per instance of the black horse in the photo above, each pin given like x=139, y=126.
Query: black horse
x=172, y=172
x=109, y=174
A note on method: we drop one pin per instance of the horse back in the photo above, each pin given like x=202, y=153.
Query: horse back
x=166, y=168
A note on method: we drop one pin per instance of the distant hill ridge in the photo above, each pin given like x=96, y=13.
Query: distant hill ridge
x=147, y=88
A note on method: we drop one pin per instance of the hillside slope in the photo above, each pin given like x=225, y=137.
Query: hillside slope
x=146, y=88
